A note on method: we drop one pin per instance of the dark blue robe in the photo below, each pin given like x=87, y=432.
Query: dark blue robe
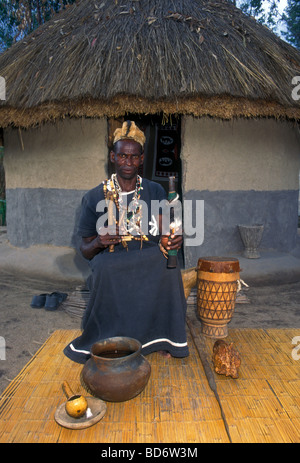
x=133, y=292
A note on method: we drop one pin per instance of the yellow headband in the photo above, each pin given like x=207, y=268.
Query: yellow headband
x=129, y=131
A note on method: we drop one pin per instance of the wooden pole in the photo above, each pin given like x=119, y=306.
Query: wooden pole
x=110, y=215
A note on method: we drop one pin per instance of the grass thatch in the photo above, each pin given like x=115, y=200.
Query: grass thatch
x=109, y=57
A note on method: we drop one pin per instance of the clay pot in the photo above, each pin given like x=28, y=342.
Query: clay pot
x=116, y=371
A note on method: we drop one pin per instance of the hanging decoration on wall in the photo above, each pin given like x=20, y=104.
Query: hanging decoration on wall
x=166, y=159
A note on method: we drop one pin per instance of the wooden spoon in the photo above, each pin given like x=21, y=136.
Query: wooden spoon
x=76, y=405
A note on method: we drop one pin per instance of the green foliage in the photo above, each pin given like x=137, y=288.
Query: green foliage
x=267, y=12
x=20, y=17
x=291, y=16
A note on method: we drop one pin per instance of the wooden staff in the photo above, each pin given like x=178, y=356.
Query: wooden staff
x=111, y=218
x=172, y=253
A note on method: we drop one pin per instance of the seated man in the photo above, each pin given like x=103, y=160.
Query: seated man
x=133, y=292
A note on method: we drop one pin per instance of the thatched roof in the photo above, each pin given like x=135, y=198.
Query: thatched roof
x=108, y=57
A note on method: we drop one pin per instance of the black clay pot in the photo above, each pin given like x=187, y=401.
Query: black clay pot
x=116, y=371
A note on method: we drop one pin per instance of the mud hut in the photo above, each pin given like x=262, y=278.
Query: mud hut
x=212, y=88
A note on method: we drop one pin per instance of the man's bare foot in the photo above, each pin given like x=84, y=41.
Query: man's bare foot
x=165, y=353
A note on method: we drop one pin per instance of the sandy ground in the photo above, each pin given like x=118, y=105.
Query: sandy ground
x=25, y=329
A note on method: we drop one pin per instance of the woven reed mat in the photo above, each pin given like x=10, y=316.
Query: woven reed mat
x=177, y=405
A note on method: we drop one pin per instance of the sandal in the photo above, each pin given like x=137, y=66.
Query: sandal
x=38, y=301
x=53, y=300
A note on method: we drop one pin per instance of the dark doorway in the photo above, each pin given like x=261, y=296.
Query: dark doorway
x=162, y=149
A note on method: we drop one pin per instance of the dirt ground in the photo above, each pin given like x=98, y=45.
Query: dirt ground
x=25, y=329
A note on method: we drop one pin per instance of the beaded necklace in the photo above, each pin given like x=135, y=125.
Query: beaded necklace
x=130, y=217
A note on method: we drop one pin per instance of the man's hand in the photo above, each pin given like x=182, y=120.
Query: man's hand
x=170, y=241
x=108, y=236
x=92, y=245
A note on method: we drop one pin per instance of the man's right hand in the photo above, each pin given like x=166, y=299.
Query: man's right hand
x=92, y=245
x=108, y=236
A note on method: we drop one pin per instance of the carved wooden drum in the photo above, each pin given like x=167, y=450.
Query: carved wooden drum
x=217, y=279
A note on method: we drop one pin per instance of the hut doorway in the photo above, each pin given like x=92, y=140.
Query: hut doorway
x=162, y=150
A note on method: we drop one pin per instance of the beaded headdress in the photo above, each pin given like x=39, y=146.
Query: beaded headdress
x=130, y=131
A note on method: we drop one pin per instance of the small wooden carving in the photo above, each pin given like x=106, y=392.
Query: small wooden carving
x=226, y=359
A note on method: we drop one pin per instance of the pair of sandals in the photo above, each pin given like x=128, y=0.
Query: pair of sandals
x=48, y=301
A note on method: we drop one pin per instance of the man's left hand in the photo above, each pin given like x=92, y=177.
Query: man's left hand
x=171, y=241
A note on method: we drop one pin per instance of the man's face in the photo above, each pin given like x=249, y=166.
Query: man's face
x=127, y=157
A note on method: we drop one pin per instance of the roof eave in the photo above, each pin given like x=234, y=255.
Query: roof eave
x=221, y=107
